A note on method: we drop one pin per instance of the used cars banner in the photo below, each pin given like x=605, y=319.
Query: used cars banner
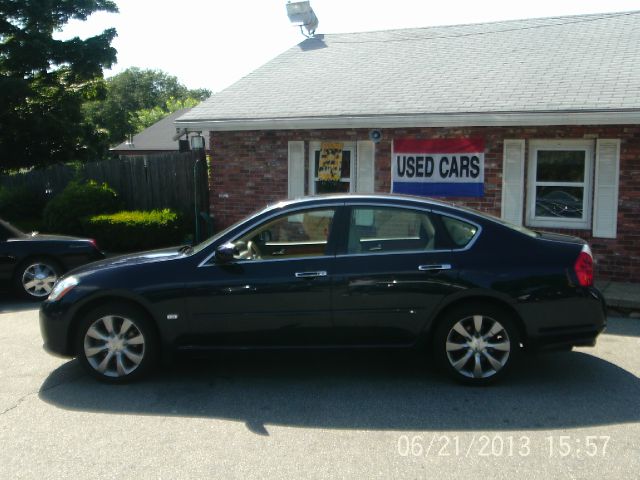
x=438, y=167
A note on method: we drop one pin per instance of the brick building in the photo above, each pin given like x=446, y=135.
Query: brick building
x=551, y=107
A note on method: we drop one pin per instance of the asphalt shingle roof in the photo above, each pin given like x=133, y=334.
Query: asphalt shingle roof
x=560, y=64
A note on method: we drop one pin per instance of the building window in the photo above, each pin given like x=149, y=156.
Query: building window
x=345, y=184
x=559, y=186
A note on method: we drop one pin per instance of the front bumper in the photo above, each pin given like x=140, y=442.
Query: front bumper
x=55, y=329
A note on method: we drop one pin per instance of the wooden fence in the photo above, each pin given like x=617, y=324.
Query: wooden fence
x=143, y=182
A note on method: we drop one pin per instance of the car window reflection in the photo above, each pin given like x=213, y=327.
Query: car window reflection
x=303, y=234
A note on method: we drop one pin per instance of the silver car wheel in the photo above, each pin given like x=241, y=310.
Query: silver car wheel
x=114, y=346
x=38, y=279
x=478, y=347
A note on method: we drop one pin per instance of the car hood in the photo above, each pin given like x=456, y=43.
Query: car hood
x=131, y=259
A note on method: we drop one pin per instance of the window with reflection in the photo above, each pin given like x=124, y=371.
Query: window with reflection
x=384, y=229
x=303, y=234
x=560, y=184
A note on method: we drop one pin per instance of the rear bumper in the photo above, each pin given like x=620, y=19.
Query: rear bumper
x=566, y=323
x=567, y=338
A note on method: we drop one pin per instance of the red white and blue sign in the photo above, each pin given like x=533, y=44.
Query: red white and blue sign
x=438, y=167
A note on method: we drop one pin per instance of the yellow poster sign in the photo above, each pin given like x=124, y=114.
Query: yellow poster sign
x=330, y=166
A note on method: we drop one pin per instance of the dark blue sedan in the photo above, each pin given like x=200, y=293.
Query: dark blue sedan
x=336, y=271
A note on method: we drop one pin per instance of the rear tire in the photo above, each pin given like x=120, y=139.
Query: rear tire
x=477, y=344
x=35, y=277
x=117, y=343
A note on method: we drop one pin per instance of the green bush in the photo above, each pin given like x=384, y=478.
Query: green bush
x=19, y=204
x=135, y=230
x=66, y=211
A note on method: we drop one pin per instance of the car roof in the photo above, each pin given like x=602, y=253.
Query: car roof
x=391, y=199
x=356, y=197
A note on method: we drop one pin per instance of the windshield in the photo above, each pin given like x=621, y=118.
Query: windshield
x=202, y=245
x=9, y=231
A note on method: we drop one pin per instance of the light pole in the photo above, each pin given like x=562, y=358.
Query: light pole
x=197, y=145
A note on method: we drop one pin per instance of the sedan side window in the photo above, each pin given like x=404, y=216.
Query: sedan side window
x=381, y=229
x=304, y=234
x=460, y=232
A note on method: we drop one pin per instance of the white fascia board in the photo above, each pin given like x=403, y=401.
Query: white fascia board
x=624, y=117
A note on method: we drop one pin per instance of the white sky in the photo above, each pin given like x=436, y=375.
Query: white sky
x=212, y=43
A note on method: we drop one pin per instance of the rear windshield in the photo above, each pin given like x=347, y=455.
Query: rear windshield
x=509, y=225
x=517, y=228
x=9, y=231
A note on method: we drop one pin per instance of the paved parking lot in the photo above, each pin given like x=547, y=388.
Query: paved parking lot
x=569, y=415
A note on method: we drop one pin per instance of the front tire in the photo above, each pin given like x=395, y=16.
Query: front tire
x=117, y=343
x=477, y=344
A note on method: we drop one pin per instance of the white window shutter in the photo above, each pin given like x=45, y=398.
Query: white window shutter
x=513, y=181
x=296, y=169
x=365, y=172
x=605, y=206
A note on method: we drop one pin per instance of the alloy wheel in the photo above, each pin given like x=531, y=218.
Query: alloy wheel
x=38, y=279
x=114, y=346
x=478, y=347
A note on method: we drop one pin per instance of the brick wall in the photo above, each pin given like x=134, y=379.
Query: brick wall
x=249, y=170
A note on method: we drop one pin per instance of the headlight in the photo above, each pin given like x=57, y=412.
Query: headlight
x=61, y=288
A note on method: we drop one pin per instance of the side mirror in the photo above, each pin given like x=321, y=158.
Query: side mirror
x=225, y=253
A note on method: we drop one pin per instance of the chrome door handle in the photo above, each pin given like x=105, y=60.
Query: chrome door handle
x=311, y=274
x=240, y=289
x=429, y=268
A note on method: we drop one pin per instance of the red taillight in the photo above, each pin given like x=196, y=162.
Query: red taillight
x=584, y=267
x=94, y=243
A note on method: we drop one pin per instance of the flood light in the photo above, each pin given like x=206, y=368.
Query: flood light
x=302, y=15
x=197, y=142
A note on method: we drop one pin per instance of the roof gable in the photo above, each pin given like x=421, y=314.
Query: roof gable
x=157, y=137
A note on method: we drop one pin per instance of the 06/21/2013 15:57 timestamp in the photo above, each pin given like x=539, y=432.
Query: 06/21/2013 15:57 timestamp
x=496, y=445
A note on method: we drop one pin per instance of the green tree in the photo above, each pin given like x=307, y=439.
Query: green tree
x=145, y=118
x=44, y=81
x=133, y=95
